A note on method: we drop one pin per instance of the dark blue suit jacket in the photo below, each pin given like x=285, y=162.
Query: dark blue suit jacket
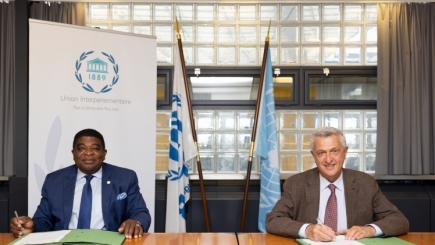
x=54, y=211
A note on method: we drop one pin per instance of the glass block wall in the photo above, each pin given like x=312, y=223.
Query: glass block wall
x=224, y=138
x=233, y=34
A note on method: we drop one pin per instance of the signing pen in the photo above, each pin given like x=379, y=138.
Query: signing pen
x=320, y=222
x=16, y=215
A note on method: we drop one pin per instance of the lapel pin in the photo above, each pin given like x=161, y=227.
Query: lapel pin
x=108, y=182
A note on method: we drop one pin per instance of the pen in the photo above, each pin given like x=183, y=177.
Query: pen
x=320, y=222
x=16, y=215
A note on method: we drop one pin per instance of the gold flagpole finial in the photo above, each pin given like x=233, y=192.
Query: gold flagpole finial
x=177, y=28
x=268, y=30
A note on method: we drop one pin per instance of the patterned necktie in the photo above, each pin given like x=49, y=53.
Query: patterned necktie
x=86, y=205
x=331, y=209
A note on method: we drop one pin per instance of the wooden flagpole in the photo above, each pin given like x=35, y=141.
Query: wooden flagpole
x=177, y=28
x=254, y=129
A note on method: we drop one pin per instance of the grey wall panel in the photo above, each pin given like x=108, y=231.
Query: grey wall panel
x=159, y=216
x=412, y=200
x=225, y=215
x=429, y=187
x=4, y=204
x=4, y=222
x=18, y=199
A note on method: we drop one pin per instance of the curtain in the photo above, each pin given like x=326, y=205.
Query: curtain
x=406, y=73
x=63, y=12
x=7, y=79
x=70, y=13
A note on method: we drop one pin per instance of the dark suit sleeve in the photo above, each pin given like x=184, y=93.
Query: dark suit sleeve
x=136, y=208
x=390, y=220
x=281, y=220
x=43, y=217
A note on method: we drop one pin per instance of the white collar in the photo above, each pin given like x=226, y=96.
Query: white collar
x=338, y=183
x=98, y=174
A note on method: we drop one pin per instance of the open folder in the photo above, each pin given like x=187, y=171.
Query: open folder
x=69, y=237
x=365, y=241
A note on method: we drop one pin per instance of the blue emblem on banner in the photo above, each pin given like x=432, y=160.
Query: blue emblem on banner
x=99, y=77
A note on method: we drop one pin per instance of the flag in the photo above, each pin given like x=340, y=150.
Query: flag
x=270, y=190
x=182, y=148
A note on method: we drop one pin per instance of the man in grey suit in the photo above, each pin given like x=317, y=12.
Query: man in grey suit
x=362, y=209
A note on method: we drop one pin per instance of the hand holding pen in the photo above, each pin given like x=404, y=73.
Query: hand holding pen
x=319, y=232
x=21, y=225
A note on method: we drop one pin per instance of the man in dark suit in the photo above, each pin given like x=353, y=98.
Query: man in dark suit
x=116, y=203
x=361, y=210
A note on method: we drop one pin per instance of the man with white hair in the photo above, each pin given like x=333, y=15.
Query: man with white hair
x=329, y=200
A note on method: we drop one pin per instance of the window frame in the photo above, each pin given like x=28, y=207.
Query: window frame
x=223, y=72
x=166, y=72
x=336, y=104
x=300, y=91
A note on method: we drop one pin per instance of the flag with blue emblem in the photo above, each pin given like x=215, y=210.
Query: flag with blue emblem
x=182, y=148
x=266, y=148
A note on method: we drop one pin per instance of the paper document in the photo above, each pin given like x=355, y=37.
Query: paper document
x=339, y=240
x=72, y=236
x=42, y=237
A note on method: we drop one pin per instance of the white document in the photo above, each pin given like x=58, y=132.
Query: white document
x=42, y=237
x=339, y=240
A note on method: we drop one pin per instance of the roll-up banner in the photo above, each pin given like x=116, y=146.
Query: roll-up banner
x=82, y=77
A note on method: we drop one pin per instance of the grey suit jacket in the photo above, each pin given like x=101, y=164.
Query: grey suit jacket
x=365, y=204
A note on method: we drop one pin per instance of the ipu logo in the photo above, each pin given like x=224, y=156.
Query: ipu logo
x=99, y=76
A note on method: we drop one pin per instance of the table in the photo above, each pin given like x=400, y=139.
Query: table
x=263, y=239
x=6, y=238
x=184, y=239
x=420, y=238
x=165, y=239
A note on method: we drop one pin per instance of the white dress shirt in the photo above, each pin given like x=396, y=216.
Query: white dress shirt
x=325, y=192
x=97, y=221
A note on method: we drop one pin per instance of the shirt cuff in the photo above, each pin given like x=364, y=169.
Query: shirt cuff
x=378, y=231
x=301, y=232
